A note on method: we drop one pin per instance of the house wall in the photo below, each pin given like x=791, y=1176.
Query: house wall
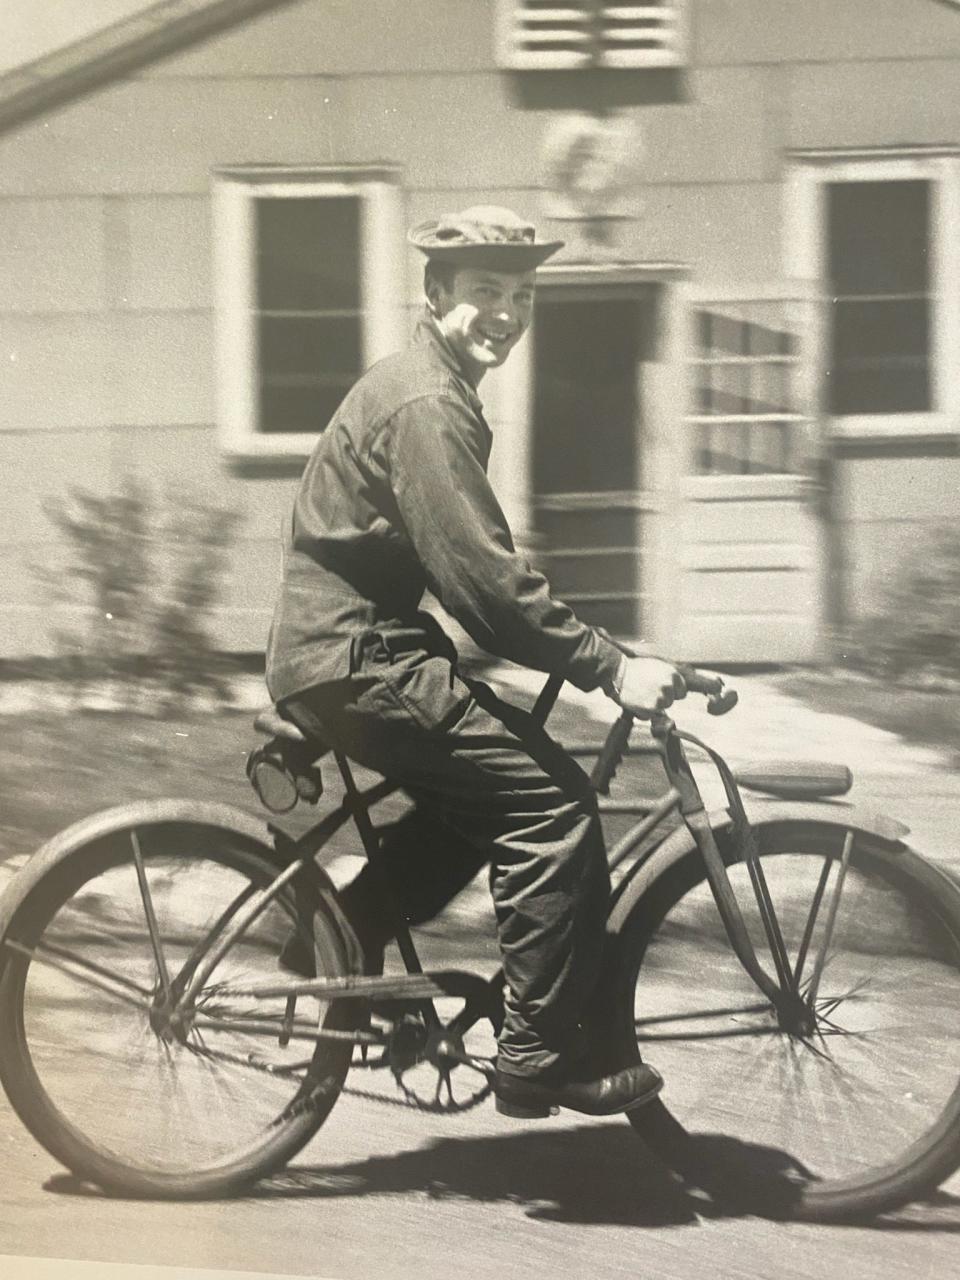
x=887, y=500
x=106, y=320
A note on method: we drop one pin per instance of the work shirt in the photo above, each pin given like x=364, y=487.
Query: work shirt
x=394, y=501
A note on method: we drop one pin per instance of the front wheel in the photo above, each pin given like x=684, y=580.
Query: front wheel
x=113, y=1088
x=856, y=1112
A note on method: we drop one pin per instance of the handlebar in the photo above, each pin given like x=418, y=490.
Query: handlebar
x=720, y=700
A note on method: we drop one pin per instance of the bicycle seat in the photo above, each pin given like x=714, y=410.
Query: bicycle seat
x=272, y=724
x=283, y=770
x=796, y=779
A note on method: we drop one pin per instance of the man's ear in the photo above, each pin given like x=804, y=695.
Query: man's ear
x=433, y=298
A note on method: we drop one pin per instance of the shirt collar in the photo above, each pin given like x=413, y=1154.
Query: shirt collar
x=428, y=333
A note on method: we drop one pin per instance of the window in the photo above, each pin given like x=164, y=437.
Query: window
x=308, y=297
x=874, y=233
x=554, y=34
x=746, y=416
x=878, y=282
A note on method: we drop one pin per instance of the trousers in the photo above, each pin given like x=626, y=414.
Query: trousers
x=489, y=785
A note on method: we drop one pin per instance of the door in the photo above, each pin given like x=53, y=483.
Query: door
x=751, y=586
x=588, y=501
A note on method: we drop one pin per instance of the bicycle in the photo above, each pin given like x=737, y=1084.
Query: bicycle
x=151, y=1045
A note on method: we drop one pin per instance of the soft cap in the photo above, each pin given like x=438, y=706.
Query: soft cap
x=483, y=235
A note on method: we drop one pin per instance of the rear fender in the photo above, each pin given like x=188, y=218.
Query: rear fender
x=761, y=812
x=74, y=841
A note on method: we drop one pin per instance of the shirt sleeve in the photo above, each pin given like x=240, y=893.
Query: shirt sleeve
x=435, y=456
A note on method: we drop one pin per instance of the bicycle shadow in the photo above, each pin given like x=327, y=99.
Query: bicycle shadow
x=590, y=1175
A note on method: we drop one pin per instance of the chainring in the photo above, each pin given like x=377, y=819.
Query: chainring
x=427, y=1074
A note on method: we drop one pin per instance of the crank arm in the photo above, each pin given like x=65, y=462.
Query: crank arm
x=406, y=986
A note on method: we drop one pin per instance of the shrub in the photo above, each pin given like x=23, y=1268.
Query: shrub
x=141, y=575
x=913, y=633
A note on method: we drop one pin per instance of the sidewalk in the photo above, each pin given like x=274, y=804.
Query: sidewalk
x=916, y=784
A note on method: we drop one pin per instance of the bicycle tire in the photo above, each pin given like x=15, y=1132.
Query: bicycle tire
x=110, y=1108
x=788, y=1143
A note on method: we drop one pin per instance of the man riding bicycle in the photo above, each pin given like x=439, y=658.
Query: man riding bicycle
x=393, y=502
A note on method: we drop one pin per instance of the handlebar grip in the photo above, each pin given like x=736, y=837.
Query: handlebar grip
x=720, y=699
x=700, y=681
x=720, y=703
x=613, y=752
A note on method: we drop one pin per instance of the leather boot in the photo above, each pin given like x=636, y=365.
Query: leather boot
x=532, y=1097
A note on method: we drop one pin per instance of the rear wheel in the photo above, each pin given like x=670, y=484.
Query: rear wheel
x=121, y=1094
x=854, y=1113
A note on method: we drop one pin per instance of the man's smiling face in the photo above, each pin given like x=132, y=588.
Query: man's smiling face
x=484, y=314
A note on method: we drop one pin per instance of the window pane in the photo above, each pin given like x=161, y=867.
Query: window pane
x=308, y=344
x=309, y=326
x=308, y=253
x=879, y=237
x=880, y=357
x=300, y=406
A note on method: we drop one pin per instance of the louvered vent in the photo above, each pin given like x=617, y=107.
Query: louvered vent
x=549, y=35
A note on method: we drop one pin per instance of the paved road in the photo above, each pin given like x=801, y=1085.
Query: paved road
x=386, y=1191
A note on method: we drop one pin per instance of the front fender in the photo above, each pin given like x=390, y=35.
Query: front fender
x=762, y=812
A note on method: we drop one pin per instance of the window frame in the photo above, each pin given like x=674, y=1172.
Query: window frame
x=795, y=305
x=806, y=253
x=512, y=57
x=235, y=192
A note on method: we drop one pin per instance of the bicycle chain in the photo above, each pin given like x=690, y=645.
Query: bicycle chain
x=410, y=1098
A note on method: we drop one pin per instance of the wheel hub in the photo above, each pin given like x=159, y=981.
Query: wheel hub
x=170, y=1024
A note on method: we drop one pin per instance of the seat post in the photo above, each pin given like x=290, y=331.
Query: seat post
x=371, y=846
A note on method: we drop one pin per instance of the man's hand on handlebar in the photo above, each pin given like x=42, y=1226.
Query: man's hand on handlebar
x=644, y=686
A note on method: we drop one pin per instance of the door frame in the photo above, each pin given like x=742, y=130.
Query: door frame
x=805, y=484
x=510, y=408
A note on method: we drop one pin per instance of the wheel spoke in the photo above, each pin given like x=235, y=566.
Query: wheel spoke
x=84, y=970
x=150, y=914
x=693, y=1014
x=771, y=925
x=832, y=911
x=810, y=924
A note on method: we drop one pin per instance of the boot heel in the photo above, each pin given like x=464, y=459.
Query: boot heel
x=519, y=1111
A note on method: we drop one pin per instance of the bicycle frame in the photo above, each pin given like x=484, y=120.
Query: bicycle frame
x=682, y=795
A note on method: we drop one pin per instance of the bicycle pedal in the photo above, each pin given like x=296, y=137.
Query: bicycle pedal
x=518, y=1112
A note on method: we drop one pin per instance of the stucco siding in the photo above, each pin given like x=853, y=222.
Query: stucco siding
x=52, y=255
x=104, y=369
x=885, y=508
x=874, y=103
x=169, y=253
x=153, y=137
x=348, y=37
x=741, y=31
